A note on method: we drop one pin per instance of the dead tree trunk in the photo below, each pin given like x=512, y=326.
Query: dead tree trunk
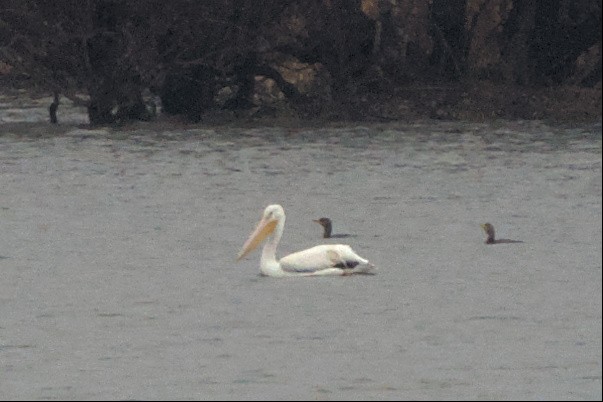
x=53, y=109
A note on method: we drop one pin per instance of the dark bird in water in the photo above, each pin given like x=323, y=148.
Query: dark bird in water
x=328, y=228
x=489, y=229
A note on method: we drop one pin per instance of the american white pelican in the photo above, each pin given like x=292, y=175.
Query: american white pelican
x=327, y=259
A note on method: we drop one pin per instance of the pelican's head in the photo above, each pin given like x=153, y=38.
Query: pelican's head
x=489, y=229
x=327, y=225
x=273, y=214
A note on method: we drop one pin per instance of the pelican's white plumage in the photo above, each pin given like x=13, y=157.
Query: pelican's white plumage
x=327, y=259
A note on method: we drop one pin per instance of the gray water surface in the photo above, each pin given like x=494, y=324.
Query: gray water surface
x=118, y=278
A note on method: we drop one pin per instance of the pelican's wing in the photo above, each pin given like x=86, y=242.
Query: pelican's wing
x=328, y=259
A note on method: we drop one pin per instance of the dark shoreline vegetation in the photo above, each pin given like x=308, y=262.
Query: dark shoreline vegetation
x=219, y=61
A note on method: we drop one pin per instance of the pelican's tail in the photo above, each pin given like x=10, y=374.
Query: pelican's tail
x=364, y=269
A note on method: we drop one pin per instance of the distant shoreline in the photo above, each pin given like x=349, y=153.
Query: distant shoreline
x=476, y=101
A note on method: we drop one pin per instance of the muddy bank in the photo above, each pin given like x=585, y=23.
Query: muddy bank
x=463, y=102
x=482, y=102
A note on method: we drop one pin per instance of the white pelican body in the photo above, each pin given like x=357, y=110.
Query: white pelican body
x=326, y=259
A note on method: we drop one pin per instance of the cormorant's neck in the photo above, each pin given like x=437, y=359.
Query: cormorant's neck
x=328, y=228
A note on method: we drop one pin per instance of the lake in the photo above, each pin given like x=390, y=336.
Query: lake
x=119, y=281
